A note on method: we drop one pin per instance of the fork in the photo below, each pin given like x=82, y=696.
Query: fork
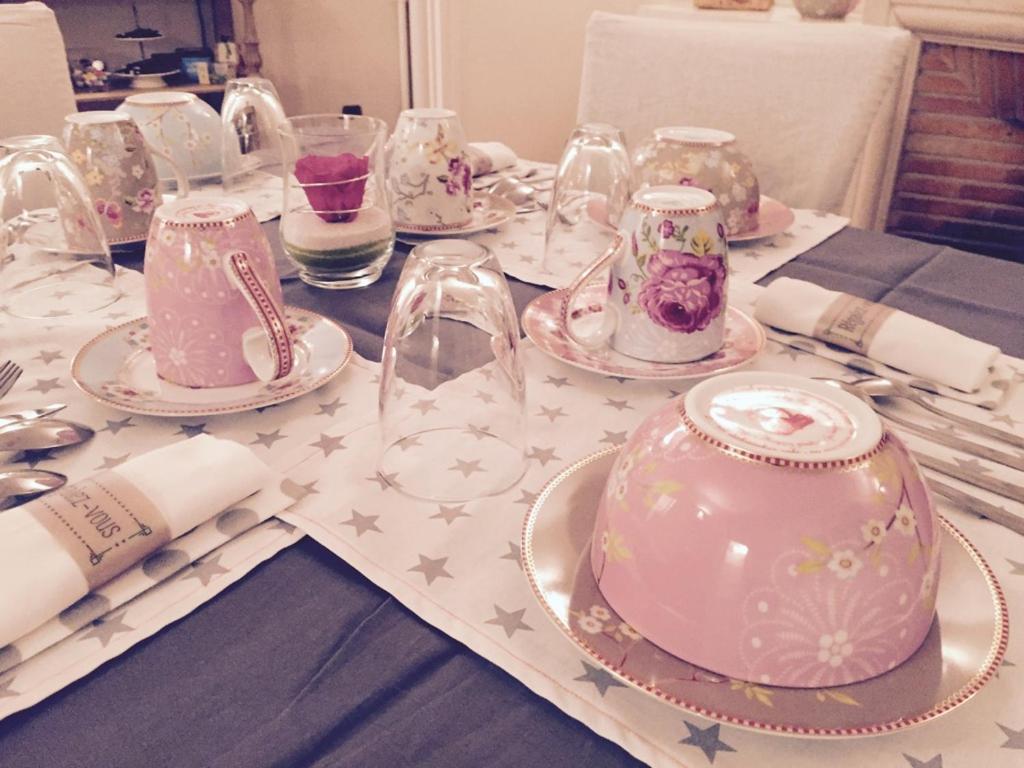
x=9, y=373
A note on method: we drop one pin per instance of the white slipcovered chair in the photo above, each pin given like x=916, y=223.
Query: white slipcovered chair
x=812, y=104
x=35, y=89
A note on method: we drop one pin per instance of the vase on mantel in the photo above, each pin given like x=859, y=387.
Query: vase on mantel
x=824, y=9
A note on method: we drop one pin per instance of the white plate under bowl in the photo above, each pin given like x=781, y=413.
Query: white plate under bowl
x=117, y=369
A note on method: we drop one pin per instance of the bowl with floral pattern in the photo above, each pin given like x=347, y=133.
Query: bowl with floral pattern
x=705, y=158
x=181, y=125
x=767, y=527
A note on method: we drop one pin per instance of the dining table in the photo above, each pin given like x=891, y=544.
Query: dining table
x=307, y=662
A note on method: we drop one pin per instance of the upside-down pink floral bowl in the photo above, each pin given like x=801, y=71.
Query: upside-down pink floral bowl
x=767, y=527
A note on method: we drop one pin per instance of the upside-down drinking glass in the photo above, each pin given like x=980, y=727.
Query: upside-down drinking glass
x=590, y=192
x=54, y=257
x=250, y=118
x=452, y=390
x=336, y=222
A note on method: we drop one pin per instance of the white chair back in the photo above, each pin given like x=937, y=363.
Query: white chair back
x=35, y=89
x=801, y=98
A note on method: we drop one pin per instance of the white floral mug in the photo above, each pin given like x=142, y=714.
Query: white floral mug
x=667, y=289
x=117, y=164
x=430, y=179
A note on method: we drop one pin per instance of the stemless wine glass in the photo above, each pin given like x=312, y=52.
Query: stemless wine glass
x=452, y=389
x=336, y=222
x=54, y=257
x=591, y=190
x=251, y=144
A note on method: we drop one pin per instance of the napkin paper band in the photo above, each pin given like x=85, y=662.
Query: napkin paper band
x=104, y=523
x=851, y=322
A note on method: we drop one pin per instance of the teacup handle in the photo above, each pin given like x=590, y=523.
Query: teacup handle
x=571, y=294
x=272, y=324
x=179, y=177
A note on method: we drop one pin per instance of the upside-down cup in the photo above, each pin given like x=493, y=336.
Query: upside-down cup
x=767, y=527
x=705, y=158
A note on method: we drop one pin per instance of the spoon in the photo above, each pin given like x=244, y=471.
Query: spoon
x=20, y=485
x=515, y=190
x=40, y=434
x=29, y=415
x=876, y=386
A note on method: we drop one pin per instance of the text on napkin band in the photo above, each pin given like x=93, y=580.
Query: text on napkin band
x=851, y=322
x=104, y=523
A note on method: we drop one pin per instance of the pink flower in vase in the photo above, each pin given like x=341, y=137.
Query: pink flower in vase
x=667, y=228
x=334, y=185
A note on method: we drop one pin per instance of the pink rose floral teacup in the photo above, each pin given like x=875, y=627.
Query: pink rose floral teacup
x=117, y=164
x=216, y=313
x=667, y=289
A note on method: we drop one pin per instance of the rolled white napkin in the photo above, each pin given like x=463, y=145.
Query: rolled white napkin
x=910, y=343
x=490, y=156
x=169, y=490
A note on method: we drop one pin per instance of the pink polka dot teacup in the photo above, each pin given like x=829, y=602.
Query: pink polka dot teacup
x=213, y=296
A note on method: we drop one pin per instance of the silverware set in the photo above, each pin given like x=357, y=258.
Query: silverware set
x=876, y=390
x=32, y=430
x=10, y=372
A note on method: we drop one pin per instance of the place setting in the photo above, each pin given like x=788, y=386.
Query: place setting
x=662, y=313
x=592, y=552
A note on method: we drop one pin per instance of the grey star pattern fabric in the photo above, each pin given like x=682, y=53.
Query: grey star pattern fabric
x=600, y=677
x=706, y=740
x=115, y=426
x=206, y=569
x=362, y=523
x=510, y=621
x=450, y=513
x=329, y=444
x=107, y=628
x=933, y=762
x=1014, y=737
x=432, y=568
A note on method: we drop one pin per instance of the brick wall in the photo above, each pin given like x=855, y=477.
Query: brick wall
x=961, y=174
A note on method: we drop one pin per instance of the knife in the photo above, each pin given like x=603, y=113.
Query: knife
x=979, y=507
x=977, y=479
x=957, y=443
x=34, y=413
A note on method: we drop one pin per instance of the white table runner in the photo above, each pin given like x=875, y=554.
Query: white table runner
x=457, y=566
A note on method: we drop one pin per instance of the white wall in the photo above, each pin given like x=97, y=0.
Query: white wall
x=512, y=68
x=322, y=54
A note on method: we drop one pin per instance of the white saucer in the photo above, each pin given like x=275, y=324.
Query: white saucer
x=488, y=211
x=117, y=369
x=542, y=323
x=961, y=653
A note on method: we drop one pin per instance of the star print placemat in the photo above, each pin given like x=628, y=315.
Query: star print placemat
x=458, y=567
x=519, y=246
